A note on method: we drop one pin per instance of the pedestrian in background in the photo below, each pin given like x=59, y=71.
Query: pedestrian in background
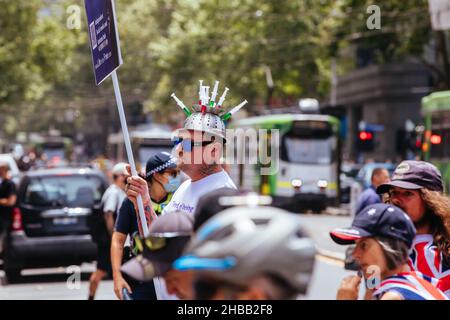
x=370, y=196
x=111, y=202
x=8, y=198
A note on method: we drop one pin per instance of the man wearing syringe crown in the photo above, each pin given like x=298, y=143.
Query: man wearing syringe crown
x=199, y=147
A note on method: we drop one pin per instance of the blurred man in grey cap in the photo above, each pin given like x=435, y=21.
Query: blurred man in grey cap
x=169, y=235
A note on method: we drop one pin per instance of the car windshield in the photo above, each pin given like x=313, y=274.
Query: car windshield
x=71, y=190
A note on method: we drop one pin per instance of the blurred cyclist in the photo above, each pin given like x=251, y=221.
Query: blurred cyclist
x=249, y=253
x=168, y=236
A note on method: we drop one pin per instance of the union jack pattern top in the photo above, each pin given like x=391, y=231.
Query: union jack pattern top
x=411, y=286
x=426, y=258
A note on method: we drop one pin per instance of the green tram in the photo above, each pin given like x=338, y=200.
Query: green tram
x=305, y=167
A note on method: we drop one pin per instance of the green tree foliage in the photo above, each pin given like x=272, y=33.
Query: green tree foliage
x=234, y=41
x=36, y=55
x=167, y=46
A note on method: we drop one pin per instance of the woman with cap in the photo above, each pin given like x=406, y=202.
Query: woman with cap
x=162, y=176
x=417, y=188
x=384, y=235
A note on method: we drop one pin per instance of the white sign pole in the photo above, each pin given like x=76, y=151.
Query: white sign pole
x=126, y=138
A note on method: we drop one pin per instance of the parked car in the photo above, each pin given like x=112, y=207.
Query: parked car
x=51, y=223
x=13, y=168
x=364, y=176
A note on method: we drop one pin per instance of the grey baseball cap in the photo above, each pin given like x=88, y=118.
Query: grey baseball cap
x=168, y=236
x=414, y=175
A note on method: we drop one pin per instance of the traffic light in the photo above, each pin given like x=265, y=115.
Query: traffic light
x=366, y=140
x=435, y=139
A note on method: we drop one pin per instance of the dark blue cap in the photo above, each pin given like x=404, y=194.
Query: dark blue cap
x=160, y=162
x=382, y=220
x=414, y=175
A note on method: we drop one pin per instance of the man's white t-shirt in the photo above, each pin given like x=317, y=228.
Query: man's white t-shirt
x=185, y=199
x=112, y=199
x=187, y=195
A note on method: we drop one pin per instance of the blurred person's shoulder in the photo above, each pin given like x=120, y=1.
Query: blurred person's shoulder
x=111, y=191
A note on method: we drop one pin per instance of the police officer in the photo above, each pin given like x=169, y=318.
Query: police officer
x=163, y=179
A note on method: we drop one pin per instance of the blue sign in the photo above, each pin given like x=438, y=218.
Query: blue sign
x=104, y=38
x=364, y=126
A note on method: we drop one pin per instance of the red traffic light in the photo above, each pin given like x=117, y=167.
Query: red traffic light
x=364, y=135
x=435, y=139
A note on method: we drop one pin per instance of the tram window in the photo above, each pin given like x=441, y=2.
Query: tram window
x=299, y=150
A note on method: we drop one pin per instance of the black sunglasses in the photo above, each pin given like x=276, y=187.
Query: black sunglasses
x=187, y=144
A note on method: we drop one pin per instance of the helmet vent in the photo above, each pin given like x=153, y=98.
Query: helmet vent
x=223, y=233
x=259, y=222
x=301, y=234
